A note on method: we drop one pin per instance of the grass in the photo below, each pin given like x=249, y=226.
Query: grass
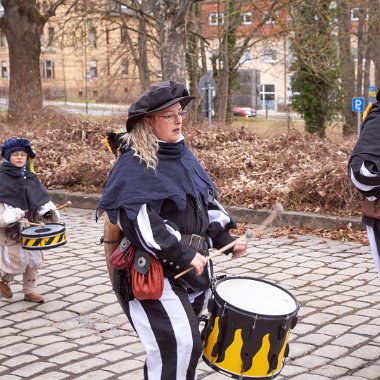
x=272, y=126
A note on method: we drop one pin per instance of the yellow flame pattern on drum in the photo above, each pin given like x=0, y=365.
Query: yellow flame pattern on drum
x=233, y=363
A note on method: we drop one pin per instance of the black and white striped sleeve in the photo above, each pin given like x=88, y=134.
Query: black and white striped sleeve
x=161, y=237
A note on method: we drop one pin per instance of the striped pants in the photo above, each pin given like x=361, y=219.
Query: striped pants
x=374, y=241
x=169, y=330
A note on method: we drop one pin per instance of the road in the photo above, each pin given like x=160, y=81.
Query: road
x=82, y=333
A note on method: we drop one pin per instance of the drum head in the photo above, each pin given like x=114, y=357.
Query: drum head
x=256, y=296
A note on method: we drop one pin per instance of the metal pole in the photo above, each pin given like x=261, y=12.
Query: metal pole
x=85, y=64
x=359, y=119
x=209, y=103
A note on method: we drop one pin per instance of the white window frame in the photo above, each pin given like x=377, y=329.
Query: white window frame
x=355, y=14
x=48, y=69
x=246, y=18
x=93, y=69
x=216, y=19
x=270, y=55
x=246, y=56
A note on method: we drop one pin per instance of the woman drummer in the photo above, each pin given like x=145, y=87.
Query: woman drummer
x=164, y=202
x=23, y=199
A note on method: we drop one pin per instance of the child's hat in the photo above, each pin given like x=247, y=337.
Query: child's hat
x=15, y=144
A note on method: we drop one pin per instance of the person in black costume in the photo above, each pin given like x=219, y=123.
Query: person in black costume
x=364, y=173
x=23, y=199
x=163, y=201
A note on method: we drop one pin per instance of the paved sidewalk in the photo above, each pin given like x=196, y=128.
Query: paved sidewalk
x=81, y=332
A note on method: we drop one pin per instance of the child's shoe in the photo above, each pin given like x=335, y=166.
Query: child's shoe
x=34, y=297
x=5, y=290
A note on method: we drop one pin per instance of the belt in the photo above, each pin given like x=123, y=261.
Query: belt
x=194, y=241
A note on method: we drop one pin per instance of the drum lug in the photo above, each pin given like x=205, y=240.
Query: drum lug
x=286, y=352
x=273, y=363
x=282, y=331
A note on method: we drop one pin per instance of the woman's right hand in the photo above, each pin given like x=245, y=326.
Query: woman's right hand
x=198, y=263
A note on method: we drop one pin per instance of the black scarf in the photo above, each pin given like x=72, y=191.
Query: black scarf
x=178, y=174
x=21, y=189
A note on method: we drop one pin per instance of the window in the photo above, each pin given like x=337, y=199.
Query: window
x=268, y=96
x=51, y=35
x=3, y=40
x=93, y=69
x=246, y=18
x=216, y=19
x=48, y=69
x=124, y=67
x=246, y=56
x=4, y=70
x=355, y=14
x=123, y=34
x=270, y=56
x=92, y=37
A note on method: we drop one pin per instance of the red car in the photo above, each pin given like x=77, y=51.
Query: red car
x=244, y=111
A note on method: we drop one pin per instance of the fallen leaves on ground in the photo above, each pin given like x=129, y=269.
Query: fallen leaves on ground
x=302, y=171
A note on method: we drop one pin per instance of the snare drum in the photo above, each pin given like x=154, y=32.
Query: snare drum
x=43, y=237
x=247, y=333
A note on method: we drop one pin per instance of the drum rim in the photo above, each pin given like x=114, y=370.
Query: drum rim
x=44, y=234
x=236, y=375
x=43, y=247
x=222, y=302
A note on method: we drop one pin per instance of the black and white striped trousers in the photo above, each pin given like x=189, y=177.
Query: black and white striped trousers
x=169, y=330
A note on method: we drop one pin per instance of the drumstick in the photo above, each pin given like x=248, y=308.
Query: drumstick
x=32, y=223
x=67, y=204
x=277, y=210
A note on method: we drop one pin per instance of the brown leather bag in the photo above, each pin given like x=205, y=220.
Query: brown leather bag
x=146, y=273
x=147, y=276
x=371, y=208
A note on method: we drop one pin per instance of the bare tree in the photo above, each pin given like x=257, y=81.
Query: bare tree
x=22, y=24
x=347, y=66
x=170, y=18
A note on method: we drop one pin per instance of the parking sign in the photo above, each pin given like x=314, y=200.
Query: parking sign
x=358, y=104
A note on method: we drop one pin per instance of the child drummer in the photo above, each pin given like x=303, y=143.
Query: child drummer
x=23, y=199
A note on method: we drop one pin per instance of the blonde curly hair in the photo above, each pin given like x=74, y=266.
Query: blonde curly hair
x=143, y=143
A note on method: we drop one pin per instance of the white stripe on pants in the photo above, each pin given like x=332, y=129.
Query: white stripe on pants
x=169, y=331
x=374, y=248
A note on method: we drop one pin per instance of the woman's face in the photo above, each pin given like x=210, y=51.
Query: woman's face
x=18, y=158
x=167, y=123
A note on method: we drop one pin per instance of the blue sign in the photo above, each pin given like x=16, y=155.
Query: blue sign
x=372, y=88
x=358, y=104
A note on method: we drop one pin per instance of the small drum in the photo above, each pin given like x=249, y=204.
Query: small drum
x=247, y=333
x=51, y=235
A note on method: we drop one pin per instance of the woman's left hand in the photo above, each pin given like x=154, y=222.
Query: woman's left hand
x=239, y=250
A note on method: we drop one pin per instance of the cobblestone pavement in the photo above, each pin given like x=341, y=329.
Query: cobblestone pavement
x=81, y=332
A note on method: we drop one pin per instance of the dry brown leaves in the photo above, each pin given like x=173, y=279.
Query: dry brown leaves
x=303, y=172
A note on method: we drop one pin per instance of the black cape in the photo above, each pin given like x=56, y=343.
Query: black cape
x=24, y=191
x=367, y=148
x=131, y=184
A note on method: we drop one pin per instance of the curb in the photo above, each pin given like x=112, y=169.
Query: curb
x=240, y=214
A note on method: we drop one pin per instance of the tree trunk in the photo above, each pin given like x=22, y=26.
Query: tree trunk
x=361, y=49
x=22, y=24
x=346, y=65
x=170, y=18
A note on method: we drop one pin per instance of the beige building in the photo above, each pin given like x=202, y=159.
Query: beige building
x=84, y=58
